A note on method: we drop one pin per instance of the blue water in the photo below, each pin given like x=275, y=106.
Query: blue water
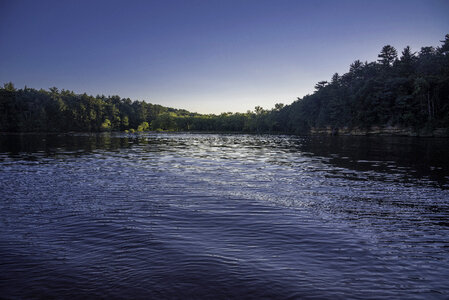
x=184, y=216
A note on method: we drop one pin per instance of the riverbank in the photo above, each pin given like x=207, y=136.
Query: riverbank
x=345, y=131
x=382, y=131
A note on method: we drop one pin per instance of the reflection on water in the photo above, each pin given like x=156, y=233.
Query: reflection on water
x=205, y=215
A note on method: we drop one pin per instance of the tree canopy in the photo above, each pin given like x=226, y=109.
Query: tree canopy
x=411, y=91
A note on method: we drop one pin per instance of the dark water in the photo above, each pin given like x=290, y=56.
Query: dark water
x=223, y=216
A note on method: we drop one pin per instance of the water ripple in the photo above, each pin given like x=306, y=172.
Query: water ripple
x=224, y=216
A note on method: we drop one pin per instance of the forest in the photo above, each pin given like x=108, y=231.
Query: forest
x=407, y=90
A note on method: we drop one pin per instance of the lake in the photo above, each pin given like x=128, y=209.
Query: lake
x=223, y=216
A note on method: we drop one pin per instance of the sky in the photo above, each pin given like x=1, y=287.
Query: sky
x=208, y=56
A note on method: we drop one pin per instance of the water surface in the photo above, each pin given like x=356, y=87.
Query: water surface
x=223, y=216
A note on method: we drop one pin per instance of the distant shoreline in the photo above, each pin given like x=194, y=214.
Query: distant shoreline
x=382, y=131
x=389, y=131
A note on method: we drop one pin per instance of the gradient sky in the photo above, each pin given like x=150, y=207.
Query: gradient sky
x=205, y=56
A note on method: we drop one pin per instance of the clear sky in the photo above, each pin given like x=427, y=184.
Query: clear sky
x=206, y=56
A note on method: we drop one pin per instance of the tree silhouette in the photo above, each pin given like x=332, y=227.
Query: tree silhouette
x=387, y=56
x=411, y=92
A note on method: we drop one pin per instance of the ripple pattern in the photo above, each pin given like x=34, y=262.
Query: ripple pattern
x=192, y=216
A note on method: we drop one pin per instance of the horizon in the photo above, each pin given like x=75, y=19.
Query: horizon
x=205, y=57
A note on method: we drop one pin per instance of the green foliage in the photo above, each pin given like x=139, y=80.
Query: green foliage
x=412, y=91
x=125, y=122
x=9, y=87
x=106, y=125
x=143, y=127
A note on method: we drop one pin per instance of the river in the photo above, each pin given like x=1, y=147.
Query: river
x=194, y=216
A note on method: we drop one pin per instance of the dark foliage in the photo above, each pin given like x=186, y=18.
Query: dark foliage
x=411, y=91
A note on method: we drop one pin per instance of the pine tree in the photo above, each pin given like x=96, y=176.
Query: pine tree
x=387, y=56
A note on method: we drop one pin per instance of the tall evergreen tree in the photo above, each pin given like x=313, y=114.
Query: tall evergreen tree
x=387, y=56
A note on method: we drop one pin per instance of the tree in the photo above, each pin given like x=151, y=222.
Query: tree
x=259, y=110
x=106, y=125
x=427, y=51
x=143, y=127
x=278, y=106
x=320, y=85
x=387, y=56
x=335, y=79
x=9, y=86
x=407, y=55
x=54, y=90
x=444, y=49
x=414, y=91
x=356, y=66
x=125, y=122
x=422, y=89
x=407, y=61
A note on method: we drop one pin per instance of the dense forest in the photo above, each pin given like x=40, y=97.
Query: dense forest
x=410, y=90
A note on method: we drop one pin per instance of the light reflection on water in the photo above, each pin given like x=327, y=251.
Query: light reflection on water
x=206, y=215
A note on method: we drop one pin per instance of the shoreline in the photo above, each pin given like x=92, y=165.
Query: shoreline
x=390, y=131
x=382, y=131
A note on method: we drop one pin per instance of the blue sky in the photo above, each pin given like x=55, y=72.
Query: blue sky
x=205, y=56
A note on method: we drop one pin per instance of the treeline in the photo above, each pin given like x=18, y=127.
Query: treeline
x=31, y=110
x=410, y=90
x=25, y=110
